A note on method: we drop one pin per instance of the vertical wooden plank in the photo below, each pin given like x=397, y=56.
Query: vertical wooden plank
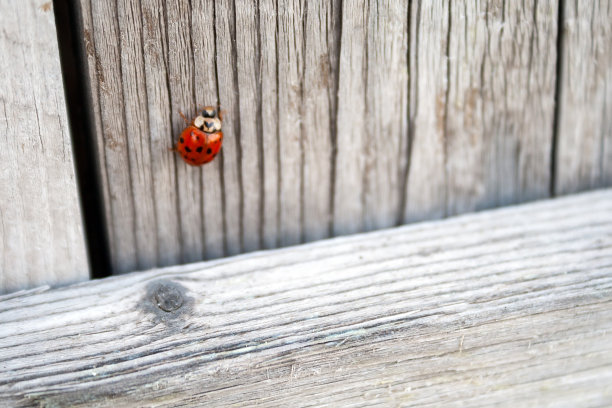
x=321, y=45
x=152, y=199
x=249, y=104
x=290, y=60
x=206, y=93
x=112, y=135
x=488, y=97
x=501, y=103
x=41, y=232
x=96, y=78
x=163, y=166
x=386, y=118
x=137, y=130
x=426, y=181
x=584, y=129
x=182, y=85
x=268, y=33
x=225, y=31
x=148, y=60
x=351, y=121
x=372, y=115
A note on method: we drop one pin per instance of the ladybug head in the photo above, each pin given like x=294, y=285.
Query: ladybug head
x=209, y=112
x=208, y=125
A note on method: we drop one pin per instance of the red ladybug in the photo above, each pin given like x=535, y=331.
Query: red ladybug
x=200, y=142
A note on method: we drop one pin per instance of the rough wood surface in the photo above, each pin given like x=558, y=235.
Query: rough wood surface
x=426, y=181
x=584, y=152
x=482, y=104
x=372, y=125
x=270, y=186
x=341, y=116
x=41, y=234
x=510, y=307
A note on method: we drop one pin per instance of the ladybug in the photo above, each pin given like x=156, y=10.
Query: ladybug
x=201, y=140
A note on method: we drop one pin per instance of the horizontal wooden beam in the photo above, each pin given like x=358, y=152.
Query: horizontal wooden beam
x=511, y=307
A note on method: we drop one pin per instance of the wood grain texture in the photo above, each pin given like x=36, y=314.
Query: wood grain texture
x=509, y=307
x=112, y=135
x=271, y=228
x=249, y=103
x=341, y=117
x=319, y=104
x=41, y=231
x=584, y=146
x=290, y=60
x=372, y=115
x=426, y=179
x=272, y=185
x=482, y=105
x=206, y=91
x=500, y=103
x=227, y=76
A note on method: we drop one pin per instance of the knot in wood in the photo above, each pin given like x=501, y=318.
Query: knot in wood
x=168, y=297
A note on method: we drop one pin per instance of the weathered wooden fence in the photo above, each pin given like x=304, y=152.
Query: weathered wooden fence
x=342, y=116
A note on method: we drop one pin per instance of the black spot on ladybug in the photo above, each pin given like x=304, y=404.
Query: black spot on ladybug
x=182, y=140
x=193, y=159
x=209, y=124
x=208, y=151
x=188, y=149
x=199, y=149
x=209, y=113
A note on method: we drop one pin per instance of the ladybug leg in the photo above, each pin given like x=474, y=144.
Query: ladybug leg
x=184, y=118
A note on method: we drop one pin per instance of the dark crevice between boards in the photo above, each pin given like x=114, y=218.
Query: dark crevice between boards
x=405, y=171
x=334, y=64
x=73, y=63
x=557, y=108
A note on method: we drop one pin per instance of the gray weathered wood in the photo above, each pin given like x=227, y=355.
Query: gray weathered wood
x=341, y=116
x=272, y=184
x=426, y=181
x=204, y=54
x=321, y=59
x=500, y=103
x=584, y=146
x=271, y=228
x=482, y=104
x=372, y=115
x=247, y=67
x=41, y=231
x=509, y=307
x=226, y=60
x=165, y=238
x=290, y=60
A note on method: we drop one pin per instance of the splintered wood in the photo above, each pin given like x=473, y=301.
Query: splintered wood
x=510, y=307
